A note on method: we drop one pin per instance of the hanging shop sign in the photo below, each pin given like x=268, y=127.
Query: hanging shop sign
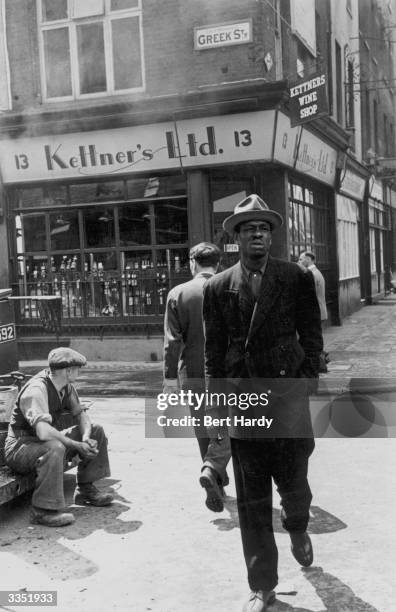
x=202, y=141
x=352, y=185
x=375, y=189
x=299, y=149
x=308, y=99
x=223, y=35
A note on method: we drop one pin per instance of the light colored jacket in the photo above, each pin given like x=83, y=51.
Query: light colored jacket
x=320, y=288
x=183, y=330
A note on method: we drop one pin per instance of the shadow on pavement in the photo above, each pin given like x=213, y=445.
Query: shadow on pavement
x=320, y=520
x=47, y=547
x=335, y=595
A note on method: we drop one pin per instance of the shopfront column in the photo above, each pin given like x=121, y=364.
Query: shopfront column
x=199, y=214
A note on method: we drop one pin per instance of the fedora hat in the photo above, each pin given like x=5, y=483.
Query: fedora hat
x=252, y=208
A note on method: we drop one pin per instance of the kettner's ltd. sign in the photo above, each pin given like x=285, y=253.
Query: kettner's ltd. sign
x=203, y=141
x=161, y=146
x=308, y=99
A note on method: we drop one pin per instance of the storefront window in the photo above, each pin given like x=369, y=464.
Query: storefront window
x=348, y=237
x=64, y=231
x=104, y=260
x=134, y=222
x=308, y=221
x=29, y=198
x=99, y=227
x=170, y=222
x=34, y=232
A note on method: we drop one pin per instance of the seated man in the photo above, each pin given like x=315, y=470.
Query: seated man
x=48, y=426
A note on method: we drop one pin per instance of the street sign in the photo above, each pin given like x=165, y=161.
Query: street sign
x=308, y=99
x=223, y=34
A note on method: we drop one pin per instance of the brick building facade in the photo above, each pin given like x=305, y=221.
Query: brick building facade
x=133, y=131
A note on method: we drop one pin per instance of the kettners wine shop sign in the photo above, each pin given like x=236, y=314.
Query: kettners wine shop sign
x=308, y=99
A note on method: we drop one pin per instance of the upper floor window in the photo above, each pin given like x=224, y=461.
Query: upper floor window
x=338, y=82
x=90, y=47
x=350, y=94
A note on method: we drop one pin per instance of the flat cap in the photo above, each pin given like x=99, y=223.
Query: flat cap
x=63, y=357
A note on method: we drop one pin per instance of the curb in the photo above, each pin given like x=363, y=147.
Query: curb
x=94, y=366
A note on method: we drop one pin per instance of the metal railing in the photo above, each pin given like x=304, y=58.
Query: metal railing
x=128, y=298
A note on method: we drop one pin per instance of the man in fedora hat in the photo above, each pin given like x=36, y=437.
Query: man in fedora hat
x=263, y=341
x=48, y=425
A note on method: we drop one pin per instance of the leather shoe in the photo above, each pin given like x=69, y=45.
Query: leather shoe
x=214, y=497
x=50, y=518
x=88, y=494
x=259, y=601
x=301, y=547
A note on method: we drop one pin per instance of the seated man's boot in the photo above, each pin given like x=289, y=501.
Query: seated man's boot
x=259, y=601
x=50, y=518
x=88, y=494
x=214, y=494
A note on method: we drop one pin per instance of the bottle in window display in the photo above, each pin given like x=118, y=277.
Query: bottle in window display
x=148, y=302
x=114, y=295
x=130, y=293
x=63, y=293
x=177, y=263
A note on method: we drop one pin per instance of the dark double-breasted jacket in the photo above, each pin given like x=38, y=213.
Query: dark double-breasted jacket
x=275, y=340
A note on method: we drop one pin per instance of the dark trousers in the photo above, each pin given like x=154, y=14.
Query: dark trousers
x=215, y=451
x=28, y=453
x=256, y=463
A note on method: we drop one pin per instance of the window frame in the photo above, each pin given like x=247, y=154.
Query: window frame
x=71, y=24
x=313, y=206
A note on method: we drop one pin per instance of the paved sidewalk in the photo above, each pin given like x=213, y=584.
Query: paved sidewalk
x=364, y=345
x=361, y=348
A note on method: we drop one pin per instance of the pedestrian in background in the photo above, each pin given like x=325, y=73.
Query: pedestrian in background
x=307, y=260
x=184, y=364
x=262, y=326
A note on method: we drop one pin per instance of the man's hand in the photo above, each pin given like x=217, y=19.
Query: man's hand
x=86, y=449
x=90, y=441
